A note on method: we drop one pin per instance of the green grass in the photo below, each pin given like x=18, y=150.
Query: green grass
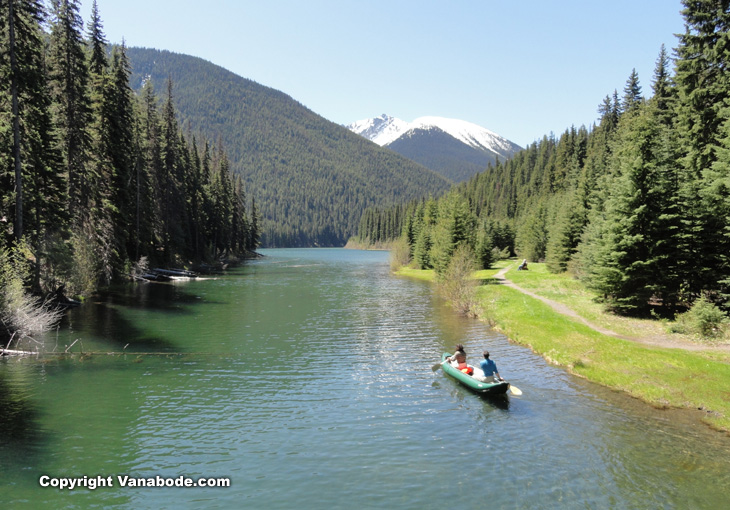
x=660, y=376
x=419, y=274
x=568, y=291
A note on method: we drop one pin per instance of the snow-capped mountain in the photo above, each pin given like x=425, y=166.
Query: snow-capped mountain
x=381, y=130
x=454, y=148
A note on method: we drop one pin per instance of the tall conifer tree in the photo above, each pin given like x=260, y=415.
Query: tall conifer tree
x=703, y=66
x=69, y=80
x=97, y=42
x=34, y=167
x=119, y=150
x=632, y=92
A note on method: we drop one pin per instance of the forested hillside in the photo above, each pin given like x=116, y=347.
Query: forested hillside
x=638, y=206
x=312, y=179
x=439, y=151
x=96, y=179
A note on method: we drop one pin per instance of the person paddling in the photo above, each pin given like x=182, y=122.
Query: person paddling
x=489, y=367
x=460, y=358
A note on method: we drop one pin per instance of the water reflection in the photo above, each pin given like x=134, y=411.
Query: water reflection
x=18, y=417
x=108, y=321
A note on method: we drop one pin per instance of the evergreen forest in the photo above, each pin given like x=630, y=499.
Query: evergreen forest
x=96, y=178
x=312, y=178
x=637, y=205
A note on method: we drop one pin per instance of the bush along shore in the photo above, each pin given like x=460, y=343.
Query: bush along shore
x=558, y=318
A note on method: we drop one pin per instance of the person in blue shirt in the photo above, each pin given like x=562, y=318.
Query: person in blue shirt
x=489, y=367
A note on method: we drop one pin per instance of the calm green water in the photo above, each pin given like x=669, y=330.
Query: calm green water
x=305, y=379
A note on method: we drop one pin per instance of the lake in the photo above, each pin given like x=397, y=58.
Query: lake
x=304, y=379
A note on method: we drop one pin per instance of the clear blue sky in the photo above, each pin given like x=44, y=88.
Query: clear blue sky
x=521, y=69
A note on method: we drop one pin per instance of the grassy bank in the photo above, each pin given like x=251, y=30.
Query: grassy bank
x=663, y=377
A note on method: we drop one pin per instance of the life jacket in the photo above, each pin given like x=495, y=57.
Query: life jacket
x=466, y=369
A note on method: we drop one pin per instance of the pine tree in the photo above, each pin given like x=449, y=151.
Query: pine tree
x=15, y=19
x=610, y=113
x=150, y=178
x=121, y=150
x=32, y=147
x=565, y=233
x=454, y=228
x=194, y=201
x=663, y=87
x=223, y=205
x=422, y=248
x=105, y=217
x=254, y=233
x=171, y=187
x=206, y=186
x=33, y=150
x=702, y=67
x=632, y=93
x=703, y=86
x=718, y=193
x=69, y=77
x=239, y=226
x=484, y=249
x=426, y=216
x=632, y=258
x=533, y=233
x=97, y=43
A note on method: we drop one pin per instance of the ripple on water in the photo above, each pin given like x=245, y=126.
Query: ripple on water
x=309, y=383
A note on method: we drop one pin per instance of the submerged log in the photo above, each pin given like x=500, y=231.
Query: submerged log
x=14, y=352
x=181, y=273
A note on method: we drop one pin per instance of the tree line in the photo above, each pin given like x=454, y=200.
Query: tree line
x=95, y=177
x=638, y=206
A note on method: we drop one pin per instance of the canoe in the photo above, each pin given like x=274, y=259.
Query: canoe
x=485, y=388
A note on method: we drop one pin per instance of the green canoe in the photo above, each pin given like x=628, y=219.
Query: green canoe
x=485, y=388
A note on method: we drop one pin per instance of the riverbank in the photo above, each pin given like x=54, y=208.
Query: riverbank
x=634, y=356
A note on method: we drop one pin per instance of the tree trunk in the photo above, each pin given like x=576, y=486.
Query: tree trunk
x=18, y=225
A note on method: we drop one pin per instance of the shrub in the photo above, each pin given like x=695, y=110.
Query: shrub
x=21, y=314
x=498, y=254
x=400, y=254
x=85, y=273
x=703, y=319
x=457, y=285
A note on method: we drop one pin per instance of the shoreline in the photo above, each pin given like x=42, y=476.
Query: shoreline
x=672, y=374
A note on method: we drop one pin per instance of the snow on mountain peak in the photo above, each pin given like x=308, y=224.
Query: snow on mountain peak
x=384, y=130
x=381, y=130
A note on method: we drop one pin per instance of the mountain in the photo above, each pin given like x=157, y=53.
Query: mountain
x=454, y=148
x=311, y=178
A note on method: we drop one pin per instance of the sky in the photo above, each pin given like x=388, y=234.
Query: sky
x=520, y=69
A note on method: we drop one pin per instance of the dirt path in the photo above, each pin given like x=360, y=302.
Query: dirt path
x=653, y=340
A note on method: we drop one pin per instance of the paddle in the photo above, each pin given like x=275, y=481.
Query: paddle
x=438, y=365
